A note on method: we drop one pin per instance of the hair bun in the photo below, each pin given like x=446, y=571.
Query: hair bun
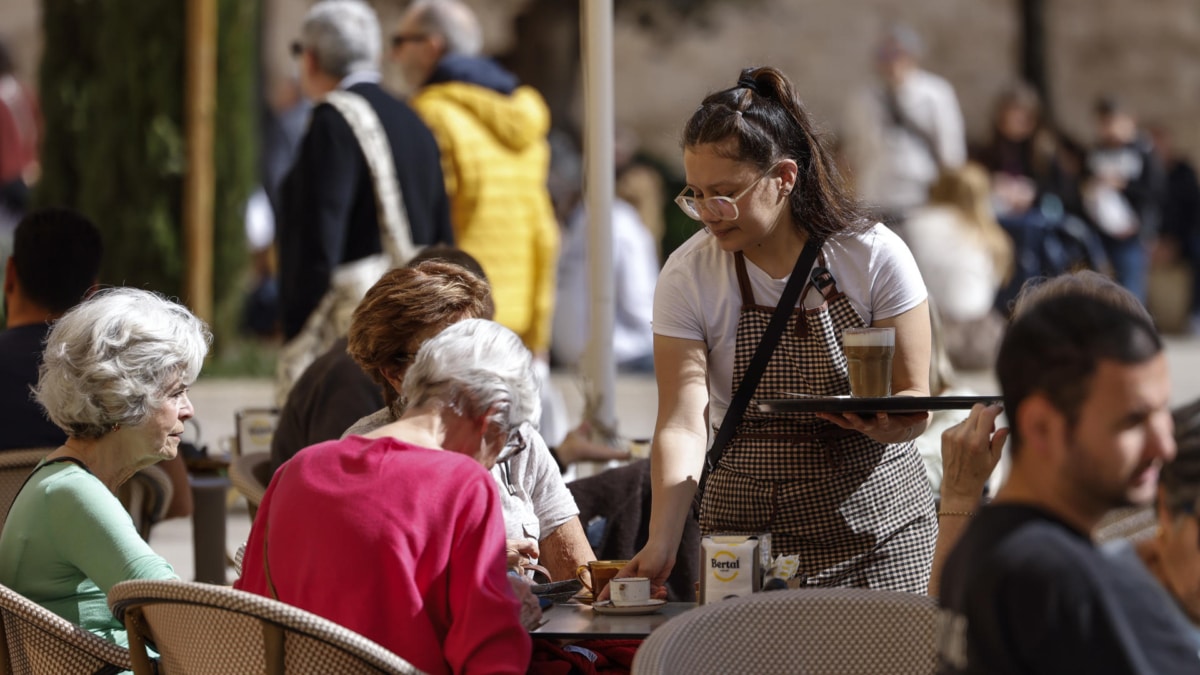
x=746, y=81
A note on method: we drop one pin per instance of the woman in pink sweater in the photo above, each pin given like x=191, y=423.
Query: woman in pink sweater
x=397, y=539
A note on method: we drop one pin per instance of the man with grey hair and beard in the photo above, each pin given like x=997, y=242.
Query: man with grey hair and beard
x=339, y=207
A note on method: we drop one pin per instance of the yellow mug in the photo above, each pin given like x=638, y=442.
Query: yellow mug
x=599, y=572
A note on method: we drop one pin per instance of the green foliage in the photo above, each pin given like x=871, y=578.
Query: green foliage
x=112, y=87
x=112, y=94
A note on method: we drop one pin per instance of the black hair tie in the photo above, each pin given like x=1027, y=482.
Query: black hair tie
x=747, y=82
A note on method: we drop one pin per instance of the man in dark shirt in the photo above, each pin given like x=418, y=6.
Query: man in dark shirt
x=1086, y=389
x=55, y=261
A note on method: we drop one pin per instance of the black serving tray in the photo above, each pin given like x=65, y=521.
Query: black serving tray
x=885, y=404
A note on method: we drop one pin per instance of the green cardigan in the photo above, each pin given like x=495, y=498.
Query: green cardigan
x=67, y=541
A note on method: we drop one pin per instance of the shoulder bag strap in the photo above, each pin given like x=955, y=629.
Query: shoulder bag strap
x=901, y=119
x=762, y=354
x=393, y=217
x=267, y=567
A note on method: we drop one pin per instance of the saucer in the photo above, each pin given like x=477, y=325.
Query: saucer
x=606, y=607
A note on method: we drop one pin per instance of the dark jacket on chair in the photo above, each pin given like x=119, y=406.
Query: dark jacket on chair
x=622, y=497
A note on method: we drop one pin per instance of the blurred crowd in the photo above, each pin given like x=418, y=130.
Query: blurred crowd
x=981, y=216
x=1029, y=200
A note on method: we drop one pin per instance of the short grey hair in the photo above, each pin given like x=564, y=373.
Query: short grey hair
x=473, y=366
x=112, y=359
x=343, y=35
x=454, y=21
x=905, y=38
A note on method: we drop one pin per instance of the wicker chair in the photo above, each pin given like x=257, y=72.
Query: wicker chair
x=34, y=640
x=839, y=631
x=1134, y=523
x=15, y=467
x=147, y=496
x=201, y=628
x=250, y=474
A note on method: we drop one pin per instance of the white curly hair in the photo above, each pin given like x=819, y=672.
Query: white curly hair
x=112, y=359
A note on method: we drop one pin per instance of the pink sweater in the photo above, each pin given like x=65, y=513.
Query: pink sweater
x=402, y=544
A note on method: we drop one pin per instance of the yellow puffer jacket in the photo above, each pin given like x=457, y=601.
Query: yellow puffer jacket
x=495, y=158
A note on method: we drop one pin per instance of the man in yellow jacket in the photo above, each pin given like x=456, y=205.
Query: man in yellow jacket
x=495, y=157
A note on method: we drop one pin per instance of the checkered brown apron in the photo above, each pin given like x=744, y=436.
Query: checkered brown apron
x=858, y=513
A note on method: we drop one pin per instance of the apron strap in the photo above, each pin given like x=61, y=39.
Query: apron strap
x=739, y=263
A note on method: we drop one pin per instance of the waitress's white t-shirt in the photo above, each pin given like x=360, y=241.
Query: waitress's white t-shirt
x=697, y=296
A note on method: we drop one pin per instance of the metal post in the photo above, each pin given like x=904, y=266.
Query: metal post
x=209, y=492
x=599, y=182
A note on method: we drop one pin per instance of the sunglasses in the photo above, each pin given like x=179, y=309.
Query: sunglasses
x=721, y=208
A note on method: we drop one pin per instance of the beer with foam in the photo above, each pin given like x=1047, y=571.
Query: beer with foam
x=869, y=353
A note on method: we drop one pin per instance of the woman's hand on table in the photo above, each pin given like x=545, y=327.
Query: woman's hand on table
x=651, y=563
x=531, y=610
x=881, y=427
x=970, y=451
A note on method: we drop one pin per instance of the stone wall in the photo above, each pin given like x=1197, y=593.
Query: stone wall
x=826, y=53
x=1148, y=52
x=21, y=29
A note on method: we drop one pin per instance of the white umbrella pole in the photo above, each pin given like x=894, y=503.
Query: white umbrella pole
x=599, y=365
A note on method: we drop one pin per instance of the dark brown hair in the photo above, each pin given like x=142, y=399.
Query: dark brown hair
x=406, y=306
x=762, y=121
x=1054, y=346
x=56, y=252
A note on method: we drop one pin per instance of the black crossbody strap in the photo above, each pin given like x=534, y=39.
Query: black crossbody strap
x=762, y=354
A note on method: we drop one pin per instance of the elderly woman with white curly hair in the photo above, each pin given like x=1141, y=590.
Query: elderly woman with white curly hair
x=398, y=534
x=114, y=377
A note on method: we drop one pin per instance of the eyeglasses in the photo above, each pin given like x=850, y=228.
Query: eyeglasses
x=399, y=39
x=297, y=48
x=721, y=208
x=518, y=441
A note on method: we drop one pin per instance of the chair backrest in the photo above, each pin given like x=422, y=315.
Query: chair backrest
x=201, y=628
x=146, y=496
x=1134, y=523
x=15, y=467
x=809, y=630
x=34, y=640
x=250, y=475
x=255, y=428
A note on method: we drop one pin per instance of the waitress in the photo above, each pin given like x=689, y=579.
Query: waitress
x=844, y=493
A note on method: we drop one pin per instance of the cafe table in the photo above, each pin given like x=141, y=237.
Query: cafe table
x=577, y=621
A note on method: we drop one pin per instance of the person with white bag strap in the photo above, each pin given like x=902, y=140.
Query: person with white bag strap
x=366, y=190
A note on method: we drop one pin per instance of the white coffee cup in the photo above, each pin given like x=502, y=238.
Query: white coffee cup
x=630, y=591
